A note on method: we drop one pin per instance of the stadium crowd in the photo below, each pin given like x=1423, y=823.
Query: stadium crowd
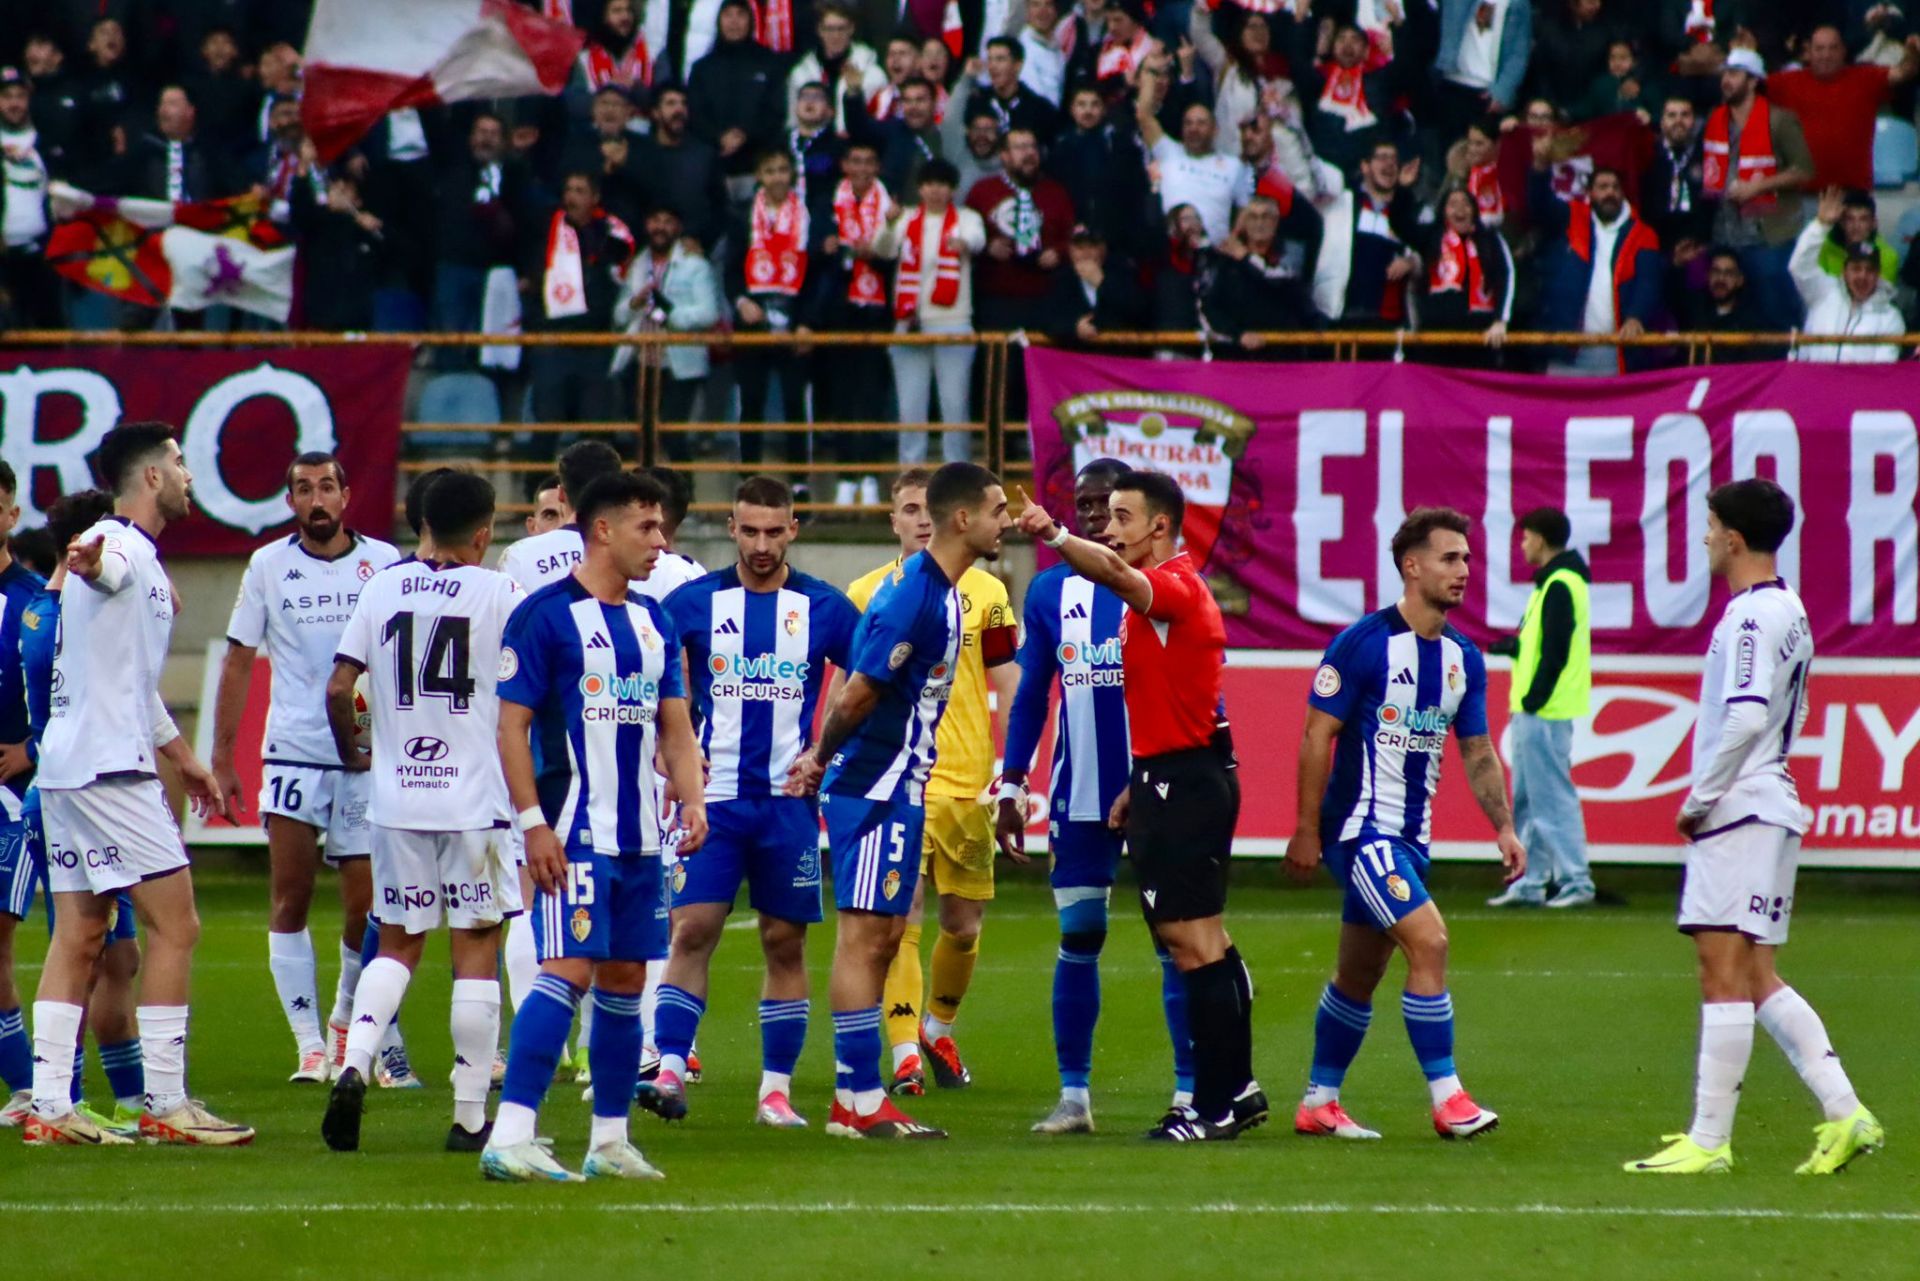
x=1598, y=166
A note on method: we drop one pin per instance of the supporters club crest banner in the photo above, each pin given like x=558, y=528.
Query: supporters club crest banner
x=241, y=417
x=1298, y=475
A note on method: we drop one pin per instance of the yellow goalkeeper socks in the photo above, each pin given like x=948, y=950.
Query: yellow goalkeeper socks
x=953, y=961
x=901, y=996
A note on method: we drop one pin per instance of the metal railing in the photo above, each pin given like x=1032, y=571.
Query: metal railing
x=647, y=429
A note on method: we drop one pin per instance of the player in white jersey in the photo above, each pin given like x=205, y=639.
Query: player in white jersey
x=295, y=599
x=428, y=634
x=108, y=825
x=550, y=506
x=1742, y=821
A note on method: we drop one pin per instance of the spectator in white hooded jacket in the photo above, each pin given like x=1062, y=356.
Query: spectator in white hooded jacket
x=1858, y=302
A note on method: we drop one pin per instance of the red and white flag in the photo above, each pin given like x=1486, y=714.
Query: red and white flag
x=365, y=58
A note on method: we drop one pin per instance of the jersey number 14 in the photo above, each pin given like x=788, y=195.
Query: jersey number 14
x=444, y=670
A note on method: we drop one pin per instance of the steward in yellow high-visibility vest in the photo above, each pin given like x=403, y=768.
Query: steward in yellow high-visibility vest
x=1552, y=688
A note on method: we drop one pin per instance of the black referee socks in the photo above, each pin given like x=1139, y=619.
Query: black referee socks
x=1220, y=1014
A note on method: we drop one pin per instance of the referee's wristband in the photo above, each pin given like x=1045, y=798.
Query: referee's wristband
x=529, y=818
x=1059, y=539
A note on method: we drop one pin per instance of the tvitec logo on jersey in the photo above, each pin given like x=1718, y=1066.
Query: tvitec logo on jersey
x=624, y=700
x=761, y=678
x=1087, y=663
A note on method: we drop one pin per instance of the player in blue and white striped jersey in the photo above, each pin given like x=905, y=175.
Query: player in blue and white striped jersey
x=1073, y=635
x=758, y=636
x=591, y=660
x=1389, y=690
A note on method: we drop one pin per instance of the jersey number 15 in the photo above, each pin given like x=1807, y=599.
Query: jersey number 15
x=444, y=671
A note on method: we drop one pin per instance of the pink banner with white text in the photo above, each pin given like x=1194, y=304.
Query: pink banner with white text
x=1296, y=476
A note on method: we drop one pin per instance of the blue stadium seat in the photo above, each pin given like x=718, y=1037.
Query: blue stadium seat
x=1896, y=152
x=456, y=398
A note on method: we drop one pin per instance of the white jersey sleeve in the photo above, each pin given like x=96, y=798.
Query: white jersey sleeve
x=247, y=626
x=535, y=561
x=1752, y=703
x=671, y=572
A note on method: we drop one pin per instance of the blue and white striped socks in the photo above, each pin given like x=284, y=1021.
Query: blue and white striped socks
x=856, y=1051
x=16, y=1051
x=783, y=1032
x=676, y=1021
x=540, y=1028
x=1339, y=1026
x=1429, y=1021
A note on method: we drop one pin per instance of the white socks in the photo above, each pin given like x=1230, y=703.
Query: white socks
x=1077, y=1094
x=1443, y=1088
x=904, y=1051
x=475, y=1021
x=607, y=1129
x=1320, y=1095
x=1726, y=1043
x=937, y=1028
x=649, y=1001
x=56, y=1029
x=512, y=1125
x=163, y=1047
x=343, y=990
x=775, y=1083
x=382, y=985
x=1793, y=1023
x=290, y=957
x=675, y=1064
x=523, y=960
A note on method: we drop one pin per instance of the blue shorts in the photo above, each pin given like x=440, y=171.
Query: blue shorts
x=23, y=867
x=771, y=842
x=1085, y=854
x=875, y=847
x=612, y=909
x=1385, y=878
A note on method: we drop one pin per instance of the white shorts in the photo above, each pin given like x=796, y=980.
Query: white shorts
x=108, y=835
x=1741, y=878
x=331, y=801
x=463, y=880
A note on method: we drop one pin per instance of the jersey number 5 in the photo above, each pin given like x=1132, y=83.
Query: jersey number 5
x=444, y=670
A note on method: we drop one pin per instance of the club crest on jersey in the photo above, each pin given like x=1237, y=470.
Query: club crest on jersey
x=648, y=637
x=1398, y=887
x=898, y=657
x=792, y=622
x=1453, y=676
x=364, y=569
x=679, y=877
x=509, y=663
x=582, y=924
x=1326, y=681
x=30, y=620
x=891, y=886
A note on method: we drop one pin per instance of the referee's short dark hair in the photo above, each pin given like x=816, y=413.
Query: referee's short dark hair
x=1161, y=492
x=1756, y=509
x=1420, y=526
x=619, y=489
x=416, y=500
x=958, y=485
x=459, y=503
x=1555, y=530
x=581, y=463
x=764, y=491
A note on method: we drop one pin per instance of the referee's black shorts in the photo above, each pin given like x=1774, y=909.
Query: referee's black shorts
x=1184, y=806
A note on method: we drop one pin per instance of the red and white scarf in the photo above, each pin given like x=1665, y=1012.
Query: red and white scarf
x=1699, y=23
x=1483, y=184
x=1344, y=94
x=563, y=285
x=628, y=70
x=773, y=24
x=858, y=219
x=885, y=103
x=1456, y=267
x=777, y=247
x=946, y=276
x=1118, y=59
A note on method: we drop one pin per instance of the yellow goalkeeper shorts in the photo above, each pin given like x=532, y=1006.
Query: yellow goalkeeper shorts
x=957, y=850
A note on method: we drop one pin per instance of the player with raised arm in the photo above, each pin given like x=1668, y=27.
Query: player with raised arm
x=108, y=826
x=958, y=847
x=592, y=661
x=871, y=767
x=758, y=636
x=295, y=598
x=1073, y=637
x=1386, y=694
x=428, y=634
x=1742, y=821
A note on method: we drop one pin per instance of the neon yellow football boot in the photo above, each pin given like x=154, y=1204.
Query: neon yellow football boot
x=1837, y=1142
x=1683, y=1156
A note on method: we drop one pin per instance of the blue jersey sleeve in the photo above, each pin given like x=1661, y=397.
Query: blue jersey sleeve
x=37, y=634
x=895, y=627
x=673, y=678
x=835, y=621
x=1337, y=685
x=1471, y=721
x=13, y=685
x=1039, y=660
x=524, y=655
x=685, y=607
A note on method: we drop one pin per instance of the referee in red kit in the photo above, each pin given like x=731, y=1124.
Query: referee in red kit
x=1183, y=798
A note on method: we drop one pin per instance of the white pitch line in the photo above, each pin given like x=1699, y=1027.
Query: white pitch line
x=947, y=1208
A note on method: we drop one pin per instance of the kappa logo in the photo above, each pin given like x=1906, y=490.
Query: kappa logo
x=1404, y=677
x=728, y=628
x=1749, y=625
x=292, y=575
x=599, y=641
x=1162, y=789
x=1078, y=611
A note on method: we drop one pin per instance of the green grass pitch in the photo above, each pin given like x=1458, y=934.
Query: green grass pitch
x=1579, y=1030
